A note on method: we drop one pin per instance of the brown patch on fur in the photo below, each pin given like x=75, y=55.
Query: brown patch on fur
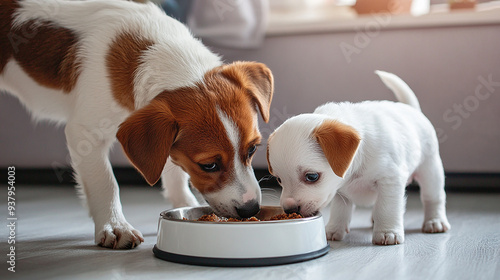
x=7, y=8
x=122, y=62
x=146, y=137
x=47, y=53
x=205, y=182
x=339, y=143
x=256, y=79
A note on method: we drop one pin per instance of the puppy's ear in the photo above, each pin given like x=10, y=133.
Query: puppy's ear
x=339, y=143
x=257, y=79
x=146, y=137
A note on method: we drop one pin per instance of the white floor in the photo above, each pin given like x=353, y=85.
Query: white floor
x=54, y=240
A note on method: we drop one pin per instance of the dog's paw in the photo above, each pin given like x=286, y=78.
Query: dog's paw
x=118, y=236
x=336, y=233
x=436, y=226
x=388, y=238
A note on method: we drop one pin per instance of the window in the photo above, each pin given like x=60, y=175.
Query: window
x=298, y=16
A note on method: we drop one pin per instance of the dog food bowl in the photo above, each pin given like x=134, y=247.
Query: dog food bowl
x=182, y=239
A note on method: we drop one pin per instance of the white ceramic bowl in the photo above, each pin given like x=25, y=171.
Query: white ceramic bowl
x=238, y=243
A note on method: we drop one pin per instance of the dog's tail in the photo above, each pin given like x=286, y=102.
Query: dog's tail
x=401, y=90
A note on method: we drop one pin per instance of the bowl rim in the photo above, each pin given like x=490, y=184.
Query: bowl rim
x=299, y=220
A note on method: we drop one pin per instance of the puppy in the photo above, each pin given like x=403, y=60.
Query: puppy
x=361, y=154
x=121, y=70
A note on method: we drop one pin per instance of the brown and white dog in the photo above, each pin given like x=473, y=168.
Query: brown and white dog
x=117, y=69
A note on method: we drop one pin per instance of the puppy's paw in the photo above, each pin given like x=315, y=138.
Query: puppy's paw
x=336, y=233
x=436, y=226
x=119, y=235
x=388, y=238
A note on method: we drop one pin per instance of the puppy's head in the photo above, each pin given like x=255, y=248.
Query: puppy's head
x=210, y=130
x=310, y=154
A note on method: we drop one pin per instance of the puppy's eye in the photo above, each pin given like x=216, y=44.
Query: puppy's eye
x=312, y=177
x=211, y=167
x=252, y=150
x=278, y=179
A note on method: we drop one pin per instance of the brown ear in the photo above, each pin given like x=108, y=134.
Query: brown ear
x=339, y=143
x=146, y=137
x=257, y=79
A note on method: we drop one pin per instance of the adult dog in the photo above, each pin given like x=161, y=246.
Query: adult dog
x=122, y=70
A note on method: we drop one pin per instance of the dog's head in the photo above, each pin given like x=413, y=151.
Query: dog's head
x=210, y=130
x=309, y=155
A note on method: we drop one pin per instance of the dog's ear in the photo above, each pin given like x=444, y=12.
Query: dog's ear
x=339, y=143
x=257, y=79
x=146, y=137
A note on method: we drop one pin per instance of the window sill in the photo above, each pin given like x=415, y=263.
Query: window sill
x=344, y=19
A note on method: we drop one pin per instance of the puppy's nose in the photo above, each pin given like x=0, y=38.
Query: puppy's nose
x=248, y=209
x=290, y=206
x=291, y=210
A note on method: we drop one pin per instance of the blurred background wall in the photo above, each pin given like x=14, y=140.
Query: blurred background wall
x=454, y=71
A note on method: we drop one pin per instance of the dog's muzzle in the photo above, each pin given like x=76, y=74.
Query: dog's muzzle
x=248, y=209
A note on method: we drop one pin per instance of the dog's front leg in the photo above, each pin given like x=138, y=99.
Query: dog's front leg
x=388, y=228
x=175, y=184
x=89, y=154
x=340, y=217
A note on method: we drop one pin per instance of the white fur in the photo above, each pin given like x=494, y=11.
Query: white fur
x=243, y=187
x=91, y=114
x=398, y=144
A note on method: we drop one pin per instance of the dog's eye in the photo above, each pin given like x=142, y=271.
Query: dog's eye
x=312, y=177
x=211, y=167
x=278, y=179
x=252, y=150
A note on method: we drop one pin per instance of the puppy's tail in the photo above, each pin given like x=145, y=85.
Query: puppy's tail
x=403, y=92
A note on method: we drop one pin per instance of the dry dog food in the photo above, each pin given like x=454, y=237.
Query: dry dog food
x=215, y=218
x=286, y=217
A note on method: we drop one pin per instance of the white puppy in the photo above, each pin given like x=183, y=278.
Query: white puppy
x=361, y=154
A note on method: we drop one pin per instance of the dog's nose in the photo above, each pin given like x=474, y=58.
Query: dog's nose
x=248, y=209
x=291, y=210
